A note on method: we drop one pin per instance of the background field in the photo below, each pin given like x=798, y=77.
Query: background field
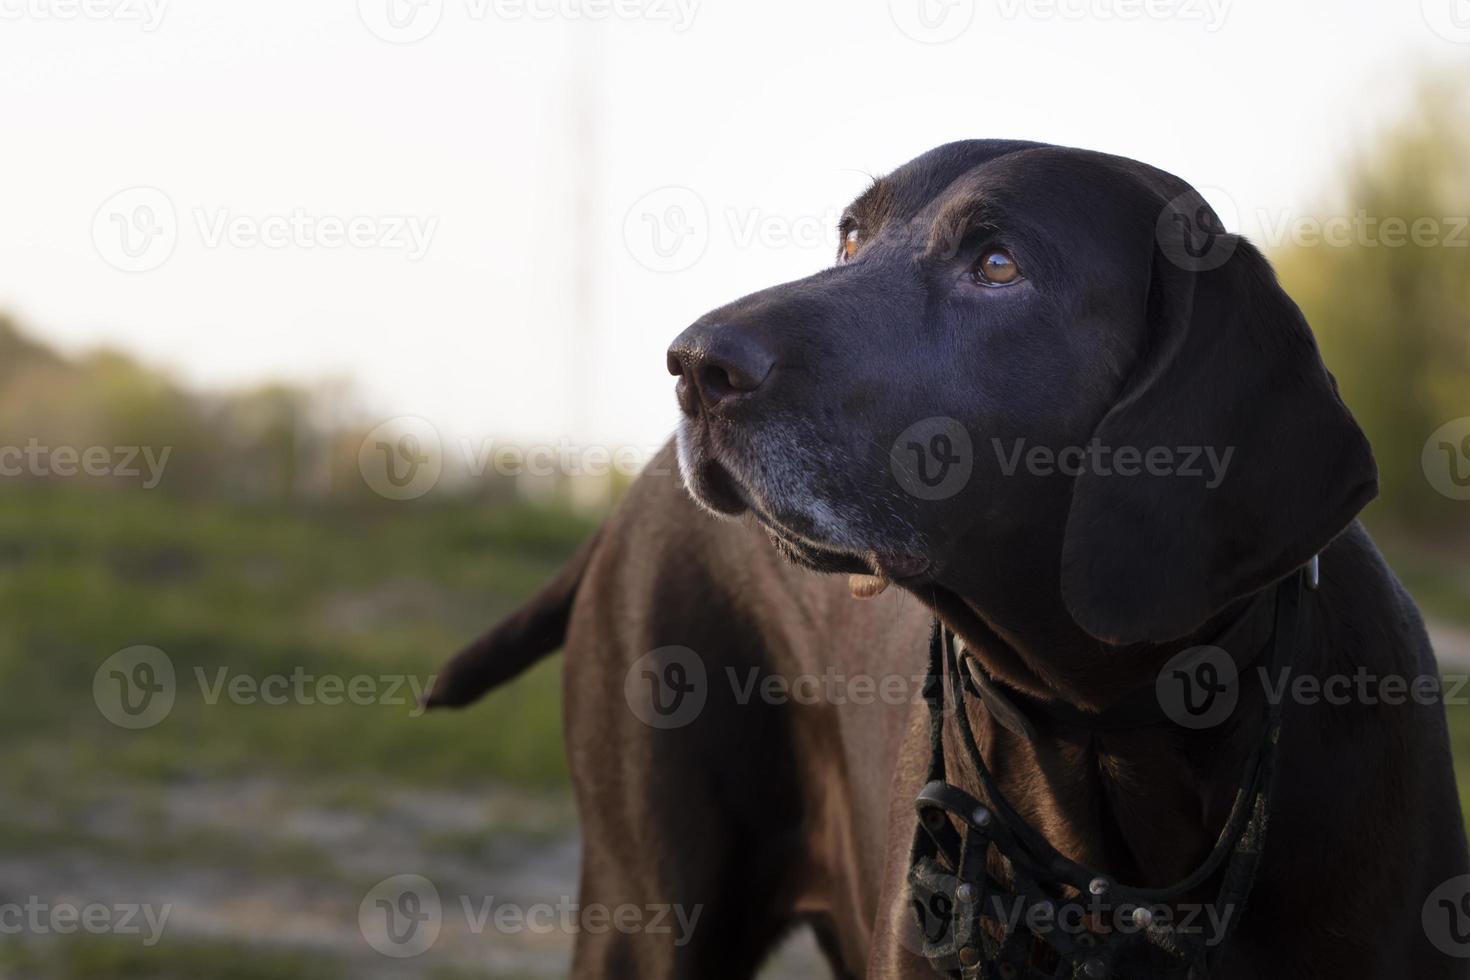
x=265, y=825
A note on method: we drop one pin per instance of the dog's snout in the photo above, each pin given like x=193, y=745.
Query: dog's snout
x=717, y=363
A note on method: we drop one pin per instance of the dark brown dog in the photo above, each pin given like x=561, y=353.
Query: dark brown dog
x=1046, y=396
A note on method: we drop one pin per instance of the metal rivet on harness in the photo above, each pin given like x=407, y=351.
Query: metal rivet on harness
x=1098, y=886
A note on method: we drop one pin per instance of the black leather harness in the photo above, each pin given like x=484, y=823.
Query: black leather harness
x=995, y=900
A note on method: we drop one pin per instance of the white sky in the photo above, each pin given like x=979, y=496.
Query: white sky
x=767, y=111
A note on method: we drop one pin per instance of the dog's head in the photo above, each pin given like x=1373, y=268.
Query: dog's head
x=1029, y=346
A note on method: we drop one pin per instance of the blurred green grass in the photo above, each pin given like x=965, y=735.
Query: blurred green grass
x=364, y=589
x=341, y=588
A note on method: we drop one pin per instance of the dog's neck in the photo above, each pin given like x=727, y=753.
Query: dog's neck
x=1014, y=620
x=1007, y=606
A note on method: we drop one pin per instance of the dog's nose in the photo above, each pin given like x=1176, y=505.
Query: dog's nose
x=717, y=363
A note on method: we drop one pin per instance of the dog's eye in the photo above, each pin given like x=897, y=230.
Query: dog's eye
x=851, y=242
x=996, y=267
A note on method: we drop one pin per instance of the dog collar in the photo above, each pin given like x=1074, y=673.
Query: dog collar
x=994, y=900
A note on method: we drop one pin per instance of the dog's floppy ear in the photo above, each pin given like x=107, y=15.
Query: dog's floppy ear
x=1228, y=367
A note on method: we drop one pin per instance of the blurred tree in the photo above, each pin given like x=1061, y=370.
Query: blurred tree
x=273, y=443
x=1391, y=308
x=18, y=352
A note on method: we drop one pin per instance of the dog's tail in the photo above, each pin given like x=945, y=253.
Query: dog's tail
x=521, y=639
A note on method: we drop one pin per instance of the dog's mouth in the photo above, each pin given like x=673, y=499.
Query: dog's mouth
x=809, y=531
x=711, y=484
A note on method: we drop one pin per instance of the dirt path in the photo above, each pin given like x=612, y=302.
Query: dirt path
x=270, y=865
